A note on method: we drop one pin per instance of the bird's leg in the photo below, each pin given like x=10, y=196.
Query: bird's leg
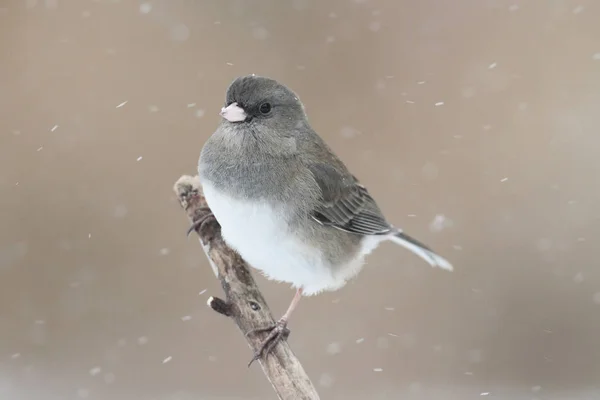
x=277, y=332
x=198, y=223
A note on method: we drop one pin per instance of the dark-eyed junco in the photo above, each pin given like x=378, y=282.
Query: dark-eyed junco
x=285, y=202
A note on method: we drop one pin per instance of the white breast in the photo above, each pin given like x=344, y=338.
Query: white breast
x=259, y=233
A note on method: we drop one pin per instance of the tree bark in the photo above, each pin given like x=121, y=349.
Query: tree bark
x=243, y=301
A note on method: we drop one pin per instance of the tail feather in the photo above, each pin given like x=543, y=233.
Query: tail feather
x=421, y=250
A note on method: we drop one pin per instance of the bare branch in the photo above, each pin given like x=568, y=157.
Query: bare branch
x=243, y=301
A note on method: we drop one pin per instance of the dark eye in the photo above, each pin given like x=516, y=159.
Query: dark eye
x=265, y=108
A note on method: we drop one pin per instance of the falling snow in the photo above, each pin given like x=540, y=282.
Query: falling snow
x=180, y=32
x=122, y=104
x=578, y=9
x=468, y=92
x=142, y=340
x=109, y=378
x=120, y=211
x=51, y=4
x=166, y=360
x=475, y=356
x=145, y=8
x=375, y=26
x=334, y=348
x=382, y=342
x=430, y=171
x=439, y=223
x=260, y=33
x=349, y=132
x=325, y=380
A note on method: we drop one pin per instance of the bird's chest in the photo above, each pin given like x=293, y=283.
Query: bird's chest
x=262, y=234
x=244, y=220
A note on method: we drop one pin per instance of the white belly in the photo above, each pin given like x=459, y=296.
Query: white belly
x=259, y=233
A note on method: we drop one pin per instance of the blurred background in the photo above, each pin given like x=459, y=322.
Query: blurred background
x=474, y=124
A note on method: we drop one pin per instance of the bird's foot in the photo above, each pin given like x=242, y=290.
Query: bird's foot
x=277, y=333
x=198, y=223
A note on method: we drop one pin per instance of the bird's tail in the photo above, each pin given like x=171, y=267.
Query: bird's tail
x=421, y=250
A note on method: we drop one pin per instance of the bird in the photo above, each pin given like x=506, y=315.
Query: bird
x=285, y=202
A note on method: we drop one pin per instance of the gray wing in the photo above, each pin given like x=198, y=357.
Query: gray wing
x=346, y=204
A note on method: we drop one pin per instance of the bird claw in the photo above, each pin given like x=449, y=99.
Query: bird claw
x=198, y=223
x=192, y=228
x=277, y=333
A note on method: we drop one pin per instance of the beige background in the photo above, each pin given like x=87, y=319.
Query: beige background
x=98, y=282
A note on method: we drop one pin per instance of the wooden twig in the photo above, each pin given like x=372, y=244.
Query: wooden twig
x=243, y=301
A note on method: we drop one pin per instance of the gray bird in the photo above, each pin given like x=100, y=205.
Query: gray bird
x=285, y=202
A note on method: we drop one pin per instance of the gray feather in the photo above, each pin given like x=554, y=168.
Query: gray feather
x=345, y=204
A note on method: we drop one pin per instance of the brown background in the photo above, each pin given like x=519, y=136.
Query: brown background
x=98, y=282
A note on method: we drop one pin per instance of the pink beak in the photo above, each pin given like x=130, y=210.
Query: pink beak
x=233, y=113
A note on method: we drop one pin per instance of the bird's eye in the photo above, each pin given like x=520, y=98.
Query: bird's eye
x=265, y=108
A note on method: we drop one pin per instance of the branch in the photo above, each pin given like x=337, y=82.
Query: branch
x=244, y=303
